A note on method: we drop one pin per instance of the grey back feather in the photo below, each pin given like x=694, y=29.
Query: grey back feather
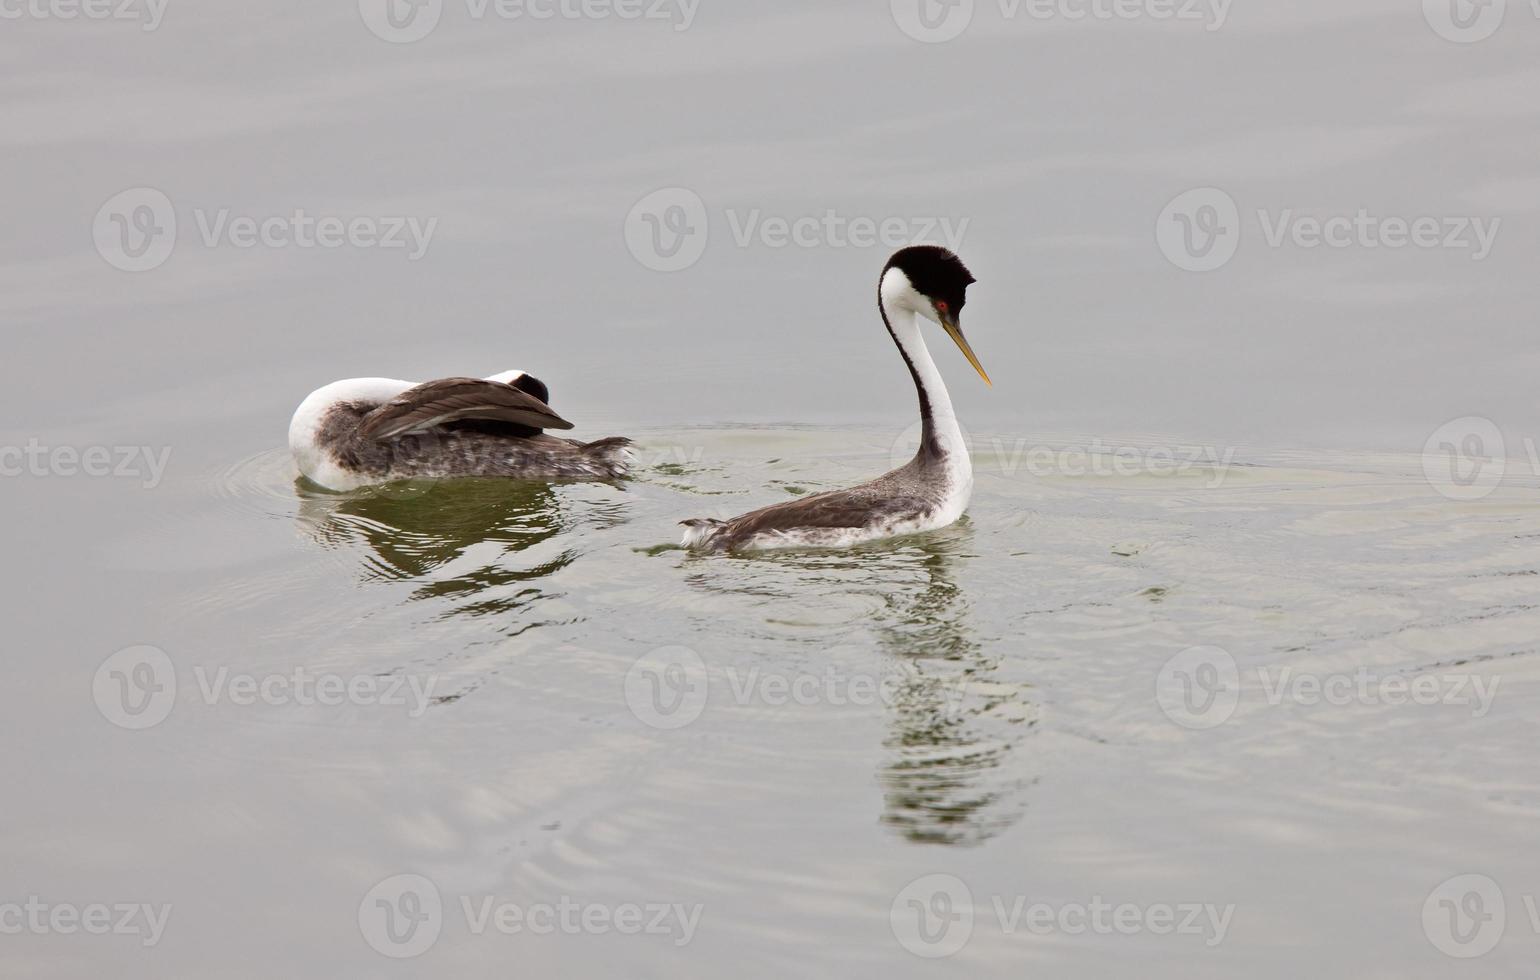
x=437, y=403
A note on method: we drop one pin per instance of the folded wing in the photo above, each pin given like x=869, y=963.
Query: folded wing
x=438, y=403
x=854, y=508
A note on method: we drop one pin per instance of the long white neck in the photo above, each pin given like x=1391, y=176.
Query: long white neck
x=941, y=434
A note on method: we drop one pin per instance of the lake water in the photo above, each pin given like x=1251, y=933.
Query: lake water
x=1230, y=670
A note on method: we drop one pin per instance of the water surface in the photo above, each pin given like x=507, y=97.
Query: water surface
x=787, y=742
x=979, y=701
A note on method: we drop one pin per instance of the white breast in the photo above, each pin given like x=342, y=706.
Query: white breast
x=311, y=455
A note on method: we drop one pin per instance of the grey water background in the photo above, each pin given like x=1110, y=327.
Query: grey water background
x=1020, y=748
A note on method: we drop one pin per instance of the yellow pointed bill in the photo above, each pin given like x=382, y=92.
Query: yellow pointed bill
x=955, y=332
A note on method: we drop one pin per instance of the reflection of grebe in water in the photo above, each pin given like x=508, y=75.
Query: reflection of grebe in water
x=954, y=729
x=420, y=531
x=953, y=773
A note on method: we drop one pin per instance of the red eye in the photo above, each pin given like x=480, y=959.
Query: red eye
x=941, y=306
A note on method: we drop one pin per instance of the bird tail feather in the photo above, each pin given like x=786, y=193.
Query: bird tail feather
x=611, y=457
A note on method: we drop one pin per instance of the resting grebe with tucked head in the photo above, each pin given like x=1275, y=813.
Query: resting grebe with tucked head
x=933, y=489
x=363, y=431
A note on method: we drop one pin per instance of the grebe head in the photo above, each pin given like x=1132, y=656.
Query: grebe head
x=531, y=385
x=527, y=383
x=933, y=282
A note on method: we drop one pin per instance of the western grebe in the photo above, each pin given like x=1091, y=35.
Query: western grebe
x=373, y=430
x=932, y=490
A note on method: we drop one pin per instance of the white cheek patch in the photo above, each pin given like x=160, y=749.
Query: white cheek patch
x=899, y=294
x=507, y=377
